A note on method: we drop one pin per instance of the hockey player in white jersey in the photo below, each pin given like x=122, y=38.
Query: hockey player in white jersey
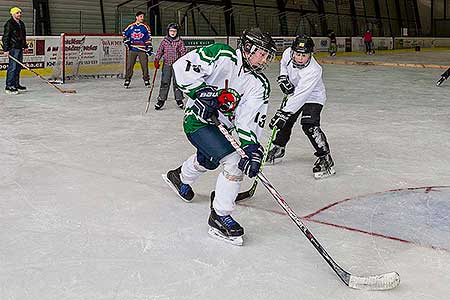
x=242, y=106
x=301, y=81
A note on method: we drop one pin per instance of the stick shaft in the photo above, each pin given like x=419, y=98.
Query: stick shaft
x=37, y=74
x=151, y=91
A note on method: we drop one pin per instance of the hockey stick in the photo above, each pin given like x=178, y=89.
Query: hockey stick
x=151, y=90
x=37, y=74
x=250, y=192
x=140, y=48
x=383, y=281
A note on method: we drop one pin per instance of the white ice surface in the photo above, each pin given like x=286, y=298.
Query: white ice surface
x=84, y=213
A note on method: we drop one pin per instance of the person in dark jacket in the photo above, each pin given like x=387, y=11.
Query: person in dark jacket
x=333, y=42
x=14, y=41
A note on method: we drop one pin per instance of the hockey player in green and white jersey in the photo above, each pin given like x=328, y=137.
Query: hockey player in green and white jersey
x=242, y=106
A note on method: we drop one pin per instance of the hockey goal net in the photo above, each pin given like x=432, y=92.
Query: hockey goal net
x=89, y=56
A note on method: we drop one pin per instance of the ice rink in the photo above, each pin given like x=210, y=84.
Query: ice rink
x=86, y=215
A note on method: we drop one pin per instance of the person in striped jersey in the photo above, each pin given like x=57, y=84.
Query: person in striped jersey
x=227, y=84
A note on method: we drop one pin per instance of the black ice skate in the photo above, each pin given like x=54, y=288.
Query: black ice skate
x=126, y=84
x=180, y=104
x=323, y=167
x=147, y=83
x=225, y=228
x=172, y=178
x=11, y=90
x=440, y=81
x=275, y=154
x=159, y=105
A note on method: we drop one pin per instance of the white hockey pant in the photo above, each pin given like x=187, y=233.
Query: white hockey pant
x=228, y=185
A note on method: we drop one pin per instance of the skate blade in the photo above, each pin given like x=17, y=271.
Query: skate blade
x=325, y=174
x=234, y=240
x=275, y=161
x=169, y=183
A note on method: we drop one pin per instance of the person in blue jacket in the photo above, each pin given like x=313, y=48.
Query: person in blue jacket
x=138, y=40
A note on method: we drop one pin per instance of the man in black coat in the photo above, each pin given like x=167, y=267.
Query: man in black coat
x=14, y=41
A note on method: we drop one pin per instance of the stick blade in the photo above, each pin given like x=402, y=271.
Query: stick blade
x=69, y=91
x=386, y=281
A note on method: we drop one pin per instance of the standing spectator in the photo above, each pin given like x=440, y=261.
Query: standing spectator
x=137, y=38
x=14, y=41
x=333, y=42
x=171, y=48
x=368, y=42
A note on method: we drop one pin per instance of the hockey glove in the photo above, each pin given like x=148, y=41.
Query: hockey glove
x=285, y=84
x=156, y=63
x=206, y=104
x=279, y=119
x=250, y=165
x=149, y=50
x=127, y=43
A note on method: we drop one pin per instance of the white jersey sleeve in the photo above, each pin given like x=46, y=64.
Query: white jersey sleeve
x=203, y=66
x=285, y=60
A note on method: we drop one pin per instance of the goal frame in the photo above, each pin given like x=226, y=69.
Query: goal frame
x=66, y=35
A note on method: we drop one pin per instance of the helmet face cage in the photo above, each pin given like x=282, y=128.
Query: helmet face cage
x=304, y=45
x=297, y=64
x=172, y=26
x=250, y=44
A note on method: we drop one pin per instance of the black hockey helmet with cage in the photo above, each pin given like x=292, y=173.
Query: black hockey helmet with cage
x=253, y=39
x=173, y=26
x=303, y=44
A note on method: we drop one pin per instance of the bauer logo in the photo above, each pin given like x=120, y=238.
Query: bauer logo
x=208, y=94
